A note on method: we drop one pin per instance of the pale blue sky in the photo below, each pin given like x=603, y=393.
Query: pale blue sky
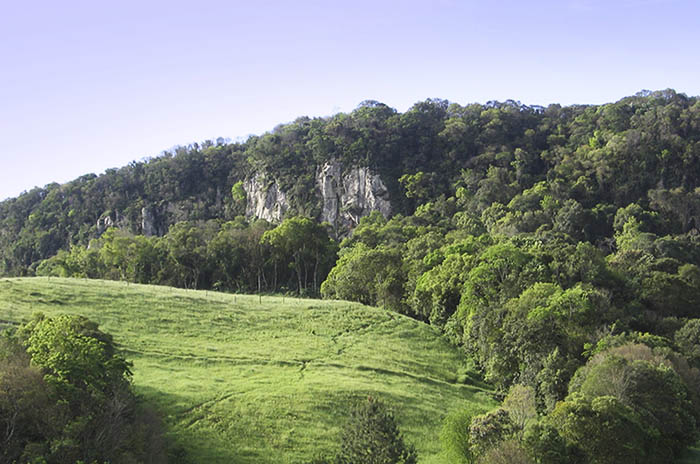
x=89, y=85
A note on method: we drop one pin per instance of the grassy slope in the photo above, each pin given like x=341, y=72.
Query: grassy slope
x=247, y=380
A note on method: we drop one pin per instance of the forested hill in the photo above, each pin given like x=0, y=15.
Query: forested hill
x=592, y=159
x=558, y=247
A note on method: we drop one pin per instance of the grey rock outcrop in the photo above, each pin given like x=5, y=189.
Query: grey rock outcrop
x=264, y=198
x=109, y=219
x=347, y=196
x=149, y=222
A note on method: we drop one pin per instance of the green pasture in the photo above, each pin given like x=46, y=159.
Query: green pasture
x=249, y=379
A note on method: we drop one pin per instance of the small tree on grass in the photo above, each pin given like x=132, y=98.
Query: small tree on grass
x=372, y=437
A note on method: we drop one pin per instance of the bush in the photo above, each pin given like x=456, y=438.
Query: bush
x=371, y=436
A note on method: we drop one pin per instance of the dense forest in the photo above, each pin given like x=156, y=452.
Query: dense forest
x=558, y=246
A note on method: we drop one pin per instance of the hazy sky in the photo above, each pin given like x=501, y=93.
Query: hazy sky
x=89, y=85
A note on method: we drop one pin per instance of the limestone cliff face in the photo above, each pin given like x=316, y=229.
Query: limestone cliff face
x=347, y=196
x=264, y=198
x=110, y=219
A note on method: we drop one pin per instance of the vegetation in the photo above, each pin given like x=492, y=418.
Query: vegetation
x=233, y=256
x=557, y=248
x=65, y=396
x=266, y=379
x=371, y=436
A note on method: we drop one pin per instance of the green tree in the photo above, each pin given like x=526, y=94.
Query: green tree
x=372, y=436
x=487, y=431
x=370, y=276
x=65, y=396
x=304, y=246
x=604, y=429
x=647, y=391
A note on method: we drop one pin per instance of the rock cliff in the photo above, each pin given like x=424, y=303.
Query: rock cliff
x=264, y=198
x=345, y=196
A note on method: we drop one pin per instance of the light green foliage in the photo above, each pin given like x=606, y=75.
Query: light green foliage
x=304, y=246
x=76, y=356
x=68, y=397
x=454, y=436
x=370, y=276
x=260, y=380
x=438, y=290
x=238, y=192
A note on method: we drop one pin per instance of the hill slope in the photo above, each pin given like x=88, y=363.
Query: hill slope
x=642, y=149
x=262, y=379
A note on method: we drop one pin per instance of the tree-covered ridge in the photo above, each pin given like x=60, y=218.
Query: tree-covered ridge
x=557, y=246
x=641, y=149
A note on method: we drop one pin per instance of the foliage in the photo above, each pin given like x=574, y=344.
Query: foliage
x=371, y=436
x=632, y=394
x=65, y=396
x=487, y=431
x=232, y=256
x=454, y=436
x=541, y=241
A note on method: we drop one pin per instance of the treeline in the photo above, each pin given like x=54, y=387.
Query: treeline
x=612, y=154
x=188, y=184
x=234, y=256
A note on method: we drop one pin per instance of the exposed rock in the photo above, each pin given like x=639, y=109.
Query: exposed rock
x=103, y=224
x=264, y=198
x=347, y=197
x=109, y=219
x=149, y=224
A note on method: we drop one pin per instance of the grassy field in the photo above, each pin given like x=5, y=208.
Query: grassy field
x=248, y=379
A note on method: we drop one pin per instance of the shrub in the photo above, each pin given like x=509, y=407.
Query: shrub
x=371, y=436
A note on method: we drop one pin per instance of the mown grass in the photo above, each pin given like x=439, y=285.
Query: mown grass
x=248, y=379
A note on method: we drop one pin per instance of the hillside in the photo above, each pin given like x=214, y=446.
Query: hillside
x=559, y=247
x=594, y=159
x=251, y=379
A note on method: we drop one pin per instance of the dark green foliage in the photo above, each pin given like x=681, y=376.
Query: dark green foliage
x=688, y=341
x=371, y=436
x=570, y=166
x=603, y=428
x=65, y=396
x=545, y=445
x=631, y=393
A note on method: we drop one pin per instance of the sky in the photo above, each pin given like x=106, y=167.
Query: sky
x=91, y=85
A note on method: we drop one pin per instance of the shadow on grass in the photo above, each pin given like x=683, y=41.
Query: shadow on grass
x=190, y=445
